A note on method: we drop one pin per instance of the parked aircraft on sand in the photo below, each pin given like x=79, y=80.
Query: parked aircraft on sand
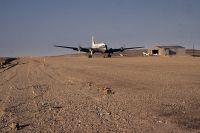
x=97, y=48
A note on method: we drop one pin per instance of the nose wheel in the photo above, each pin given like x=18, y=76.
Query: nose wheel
x=91, y=53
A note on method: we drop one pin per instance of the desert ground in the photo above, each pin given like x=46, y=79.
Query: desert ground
x=77, y=94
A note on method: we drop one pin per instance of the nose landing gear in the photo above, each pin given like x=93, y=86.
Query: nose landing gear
x=91, y=53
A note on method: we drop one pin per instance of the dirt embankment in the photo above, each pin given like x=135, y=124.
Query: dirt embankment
x=7, y=63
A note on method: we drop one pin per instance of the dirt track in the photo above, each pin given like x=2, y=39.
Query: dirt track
x=77, y=94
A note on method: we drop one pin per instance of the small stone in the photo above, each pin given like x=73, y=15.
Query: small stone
x=108, y=91
x=89, y=84
x=14, y=125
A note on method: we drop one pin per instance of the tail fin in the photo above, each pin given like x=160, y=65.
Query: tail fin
x=93, y=42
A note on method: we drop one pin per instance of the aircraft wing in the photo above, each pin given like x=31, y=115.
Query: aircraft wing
x=74, y=48
x=122, y=49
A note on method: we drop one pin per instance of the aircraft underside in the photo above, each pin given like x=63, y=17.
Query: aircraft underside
x=91, y=55
x=99, y=50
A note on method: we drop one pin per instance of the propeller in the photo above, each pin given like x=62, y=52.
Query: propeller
x=79, y=49
x=123, y=47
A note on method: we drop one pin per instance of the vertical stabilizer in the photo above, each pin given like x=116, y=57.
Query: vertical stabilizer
x=93, y=42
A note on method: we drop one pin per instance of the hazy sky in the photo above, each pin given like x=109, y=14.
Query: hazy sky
x=32, y=27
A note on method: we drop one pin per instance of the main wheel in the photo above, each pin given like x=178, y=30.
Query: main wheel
x=89, y=56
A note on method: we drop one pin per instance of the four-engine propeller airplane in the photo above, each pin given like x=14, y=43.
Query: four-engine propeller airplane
x=97, y=48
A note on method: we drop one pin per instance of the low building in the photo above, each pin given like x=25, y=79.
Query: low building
x=167, y=50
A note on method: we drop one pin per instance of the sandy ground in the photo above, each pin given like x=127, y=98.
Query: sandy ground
x=77, y=94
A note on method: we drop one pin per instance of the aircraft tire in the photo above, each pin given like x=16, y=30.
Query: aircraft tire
x=109, y=56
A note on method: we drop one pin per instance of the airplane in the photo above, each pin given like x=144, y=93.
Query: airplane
x=97, y=48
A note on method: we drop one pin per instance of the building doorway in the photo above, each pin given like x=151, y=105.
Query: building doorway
x=155, y=52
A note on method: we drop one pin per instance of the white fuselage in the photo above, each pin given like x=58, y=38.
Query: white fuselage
x=98, y=47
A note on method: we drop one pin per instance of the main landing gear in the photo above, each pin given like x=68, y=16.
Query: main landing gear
x=89, y=56
x=108, y=56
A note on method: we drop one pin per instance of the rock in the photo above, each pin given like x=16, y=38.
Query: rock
x=89, y=84
x=107, y=90
x=14, y=125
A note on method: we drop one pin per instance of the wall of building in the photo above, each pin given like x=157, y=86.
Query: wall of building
x=162, y=51
x=181, y=51
x=167, y=51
